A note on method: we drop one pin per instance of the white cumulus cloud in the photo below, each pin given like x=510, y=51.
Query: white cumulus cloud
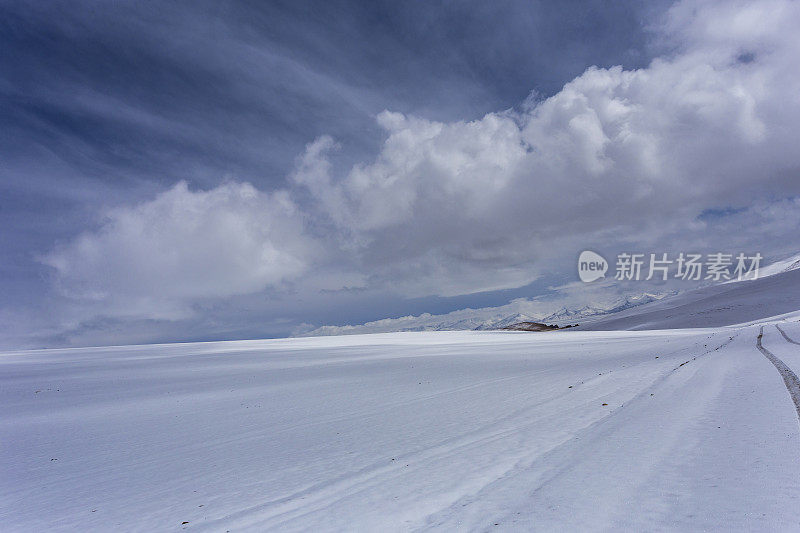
x=157, y=258
x=449, y=208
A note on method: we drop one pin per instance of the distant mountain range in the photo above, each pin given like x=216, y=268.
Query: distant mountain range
x=519, y=311
x=487, y=318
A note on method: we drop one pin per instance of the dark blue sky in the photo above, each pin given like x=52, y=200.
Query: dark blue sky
x=106, y=106
x=109, y=103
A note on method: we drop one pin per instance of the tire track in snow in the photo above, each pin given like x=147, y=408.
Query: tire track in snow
x=280, y=512
x=785, y=336
x=547, y=456
x=790, y=379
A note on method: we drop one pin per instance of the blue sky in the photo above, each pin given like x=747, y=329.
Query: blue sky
x=204, y=170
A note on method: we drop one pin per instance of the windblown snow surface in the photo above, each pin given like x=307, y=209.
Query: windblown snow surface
x=681, y=429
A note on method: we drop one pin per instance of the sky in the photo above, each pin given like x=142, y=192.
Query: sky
x=180, y=171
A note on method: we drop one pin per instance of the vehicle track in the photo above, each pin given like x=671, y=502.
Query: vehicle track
x=785, y=336
x=790, y=379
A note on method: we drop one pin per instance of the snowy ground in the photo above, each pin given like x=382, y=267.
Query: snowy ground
x=641, y=430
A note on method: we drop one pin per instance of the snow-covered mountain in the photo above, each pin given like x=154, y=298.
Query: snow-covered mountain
x=717, y=305
x=778, y=267
x=566, y=315
x=489, y=318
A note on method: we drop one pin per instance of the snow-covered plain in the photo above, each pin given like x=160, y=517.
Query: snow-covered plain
x=642, y=430
x=665, y=429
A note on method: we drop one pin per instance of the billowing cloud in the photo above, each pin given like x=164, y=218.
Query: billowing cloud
x=157, y=258
x=709, y=125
